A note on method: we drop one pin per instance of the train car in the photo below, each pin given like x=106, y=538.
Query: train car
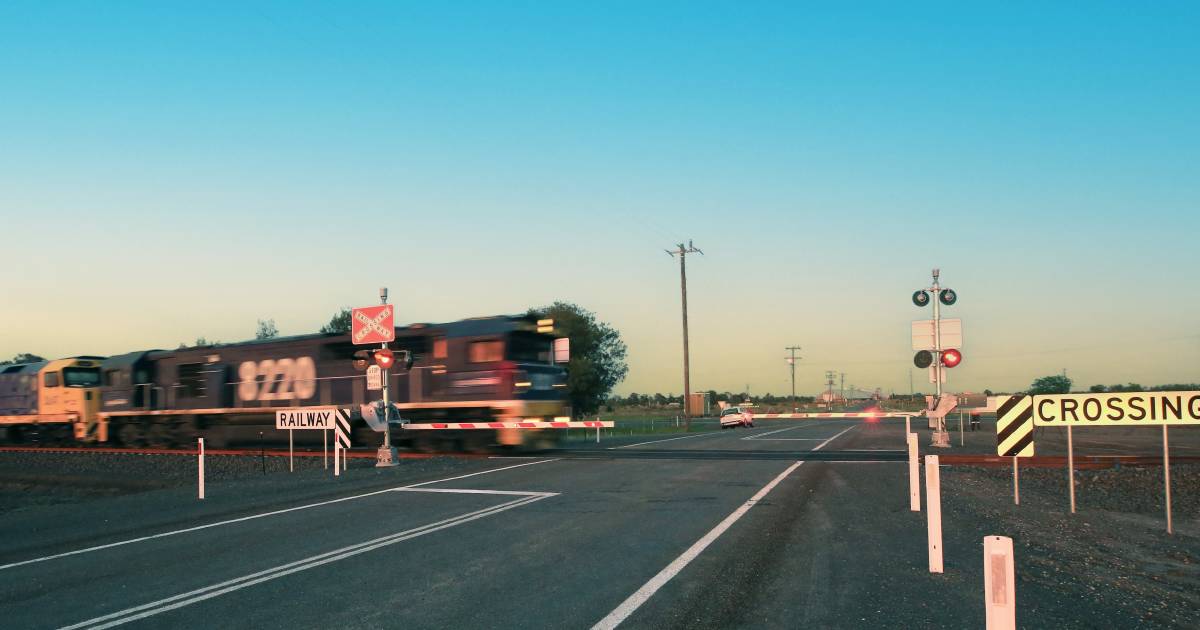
x=51, y=401
x=479, y=369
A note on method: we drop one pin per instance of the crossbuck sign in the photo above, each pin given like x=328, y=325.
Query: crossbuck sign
x=372, y=324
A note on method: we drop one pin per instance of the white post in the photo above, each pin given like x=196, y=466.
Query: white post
x=1071, y=466
x=962, y=438
x=999, y=583
x=201, y=468
x=325, y=447
x=1167, y=476
x=291, y=451
x=1016, y=485
x=337, y=454
x=933, y=502
x=907, y=425
x=914, y=475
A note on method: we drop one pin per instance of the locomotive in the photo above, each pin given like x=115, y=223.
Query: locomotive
x=489, y=368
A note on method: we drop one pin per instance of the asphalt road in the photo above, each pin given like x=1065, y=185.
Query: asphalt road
x=788, y=524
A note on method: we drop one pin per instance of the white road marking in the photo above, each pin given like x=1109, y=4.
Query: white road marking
x=643, y=594
x=517, y=493
x=208, y=592
x=254, y=516
x=759, y=436
x=613, y=448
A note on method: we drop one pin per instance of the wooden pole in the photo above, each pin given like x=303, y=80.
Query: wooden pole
x=1071, y=466
x=1167, y=476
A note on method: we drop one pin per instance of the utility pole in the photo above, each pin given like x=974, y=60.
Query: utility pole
x=792, y=365
x=682, y=253
x=843, y=388
x=829, y=374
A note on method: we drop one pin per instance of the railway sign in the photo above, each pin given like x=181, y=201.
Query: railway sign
x=1014, y=427
x=372, y=324
x=374, y=378
x=922, y=334
x=1125, y=409
x=306, y=418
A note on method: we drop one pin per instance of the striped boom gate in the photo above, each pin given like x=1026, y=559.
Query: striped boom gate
x=867, y=414
x=583, y=424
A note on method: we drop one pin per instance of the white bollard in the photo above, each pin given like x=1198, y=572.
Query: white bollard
x=1016, y=484
x=291, y=452
x=201, y=468
x=907, y=425
x=914, y=475
x=325, y=448
x=999, y=583
x=337, y=452
x=933, y=506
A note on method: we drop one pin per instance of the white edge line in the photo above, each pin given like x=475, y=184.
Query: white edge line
x=186, y=599
x=635, y=601
x=252, y=517
x=516, y=493
x=684, y=437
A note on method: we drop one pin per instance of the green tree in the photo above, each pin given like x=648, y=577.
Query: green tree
x=1056, y=384
x=339, y=323
x=23, y=357
x=266, y=329
x=597, y=354
x=1097, y=389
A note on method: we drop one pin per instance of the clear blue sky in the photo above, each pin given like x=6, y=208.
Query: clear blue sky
x=171, y=170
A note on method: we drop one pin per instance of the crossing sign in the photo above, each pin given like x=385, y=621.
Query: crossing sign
x=372, y=324
x=1014, y=427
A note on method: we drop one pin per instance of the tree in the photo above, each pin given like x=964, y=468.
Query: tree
x=1056, y=384
x=266, y=329
x=1097, y=389
x=597, y=354
x=23, y=357
x=339, y=323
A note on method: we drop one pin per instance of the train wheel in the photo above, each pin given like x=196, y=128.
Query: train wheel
x=130, y=434
x=159, y=436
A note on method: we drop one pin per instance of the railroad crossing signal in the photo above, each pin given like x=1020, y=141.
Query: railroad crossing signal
x=385, y=358
x=360, y=360
x=923, y=359
x=951, y=357
x=372, y=324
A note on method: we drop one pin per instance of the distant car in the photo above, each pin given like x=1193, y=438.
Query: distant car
x=734, y=417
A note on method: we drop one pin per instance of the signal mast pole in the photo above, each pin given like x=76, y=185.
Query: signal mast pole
x=386, y=455
x=682, y=253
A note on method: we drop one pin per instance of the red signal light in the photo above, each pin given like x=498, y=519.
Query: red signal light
x=951, y=358
x=384, y=358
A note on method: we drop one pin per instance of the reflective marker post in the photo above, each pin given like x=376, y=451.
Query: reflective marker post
x=201, y=468
x=914, y=475
x=325, y=447
x=291, y=451
x=999, y=583
x=933, y=502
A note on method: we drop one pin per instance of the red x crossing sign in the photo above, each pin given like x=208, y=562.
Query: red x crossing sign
x=372, y=324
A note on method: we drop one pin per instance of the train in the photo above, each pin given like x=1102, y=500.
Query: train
x=499, y=368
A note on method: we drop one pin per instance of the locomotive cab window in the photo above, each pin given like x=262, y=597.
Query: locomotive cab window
x=51, y=379
x=529, y=348
x=81, y=377
x=485, y=351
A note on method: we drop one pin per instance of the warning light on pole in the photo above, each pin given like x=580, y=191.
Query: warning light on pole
x=948, y=297
x=384, y=358
x=951, y=357
x=923, y=359
x=360, y=360
x=921, y=298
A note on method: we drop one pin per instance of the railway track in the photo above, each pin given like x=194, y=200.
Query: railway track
x=362, y=453
x=1082, y=462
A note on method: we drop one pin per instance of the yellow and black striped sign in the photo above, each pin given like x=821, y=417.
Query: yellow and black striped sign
x=1014, y=427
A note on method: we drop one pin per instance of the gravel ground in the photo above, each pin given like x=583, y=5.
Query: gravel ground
x=1113, y=555
x=32, y=479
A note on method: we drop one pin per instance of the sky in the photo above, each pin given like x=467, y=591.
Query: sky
x=177, y=170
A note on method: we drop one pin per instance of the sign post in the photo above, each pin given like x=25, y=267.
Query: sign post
x=1071, y=467
x=201, y=468
x=1167, y=476
x=371, y=325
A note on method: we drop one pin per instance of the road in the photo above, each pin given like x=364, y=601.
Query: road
x=731, y=528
